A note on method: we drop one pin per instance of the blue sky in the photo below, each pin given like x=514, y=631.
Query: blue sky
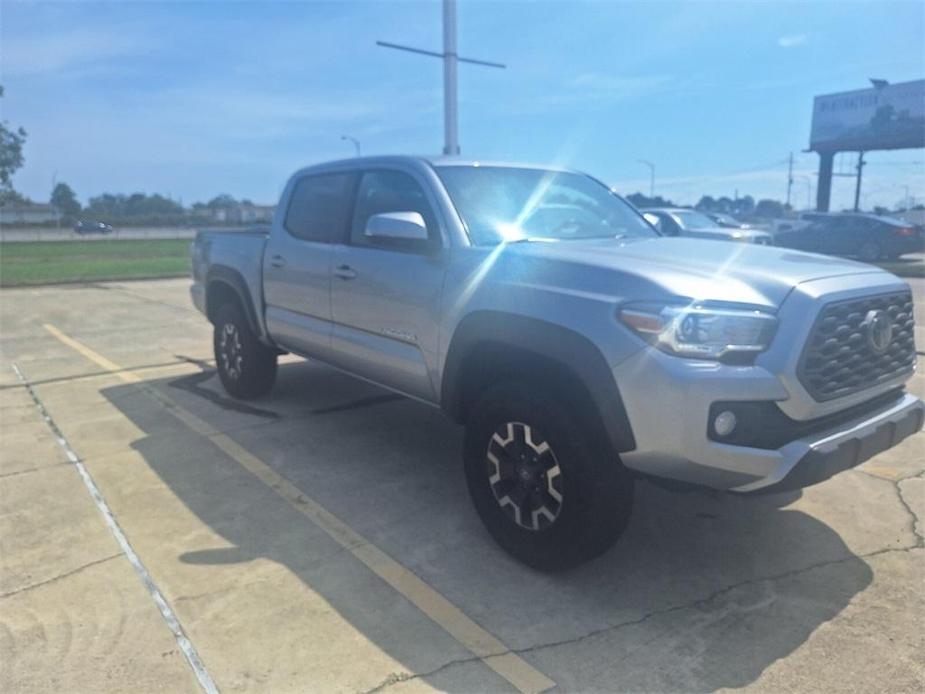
x=195, y=99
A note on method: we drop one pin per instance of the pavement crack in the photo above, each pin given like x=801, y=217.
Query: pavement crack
x=914, y=520
x=705, y=600
x=399, y=677
x=60, y=576
x=5, y=475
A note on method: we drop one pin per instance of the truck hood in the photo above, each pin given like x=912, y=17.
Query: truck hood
x=691, y=268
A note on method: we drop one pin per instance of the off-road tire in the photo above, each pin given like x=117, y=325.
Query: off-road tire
x=246, y=366
x=596, y=490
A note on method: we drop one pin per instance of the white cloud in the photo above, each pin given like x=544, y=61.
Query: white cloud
x=56, y=52
x=619, y=86
x=792, y=40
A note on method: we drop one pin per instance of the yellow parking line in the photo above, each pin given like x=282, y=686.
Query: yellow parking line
x=441, y=611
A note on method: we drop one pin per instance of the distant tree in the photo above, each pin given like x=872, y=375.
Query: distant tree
x=770, y=208
x=221, y=201
x=743, y=205
x=65, y=201
x=11, y=159
x=106, y=205
x=706, y=204
x=137, y=205
x=881, y=210
x=640, y=200
x=12, y=197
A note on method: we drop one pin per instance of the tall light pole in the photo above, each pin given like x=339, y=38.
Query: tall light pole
x=450, y=88
x=651, y=176
x=356, y=142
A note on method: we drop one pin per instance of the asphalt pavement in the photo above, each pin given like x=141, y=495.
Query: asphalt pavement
x=157, y=535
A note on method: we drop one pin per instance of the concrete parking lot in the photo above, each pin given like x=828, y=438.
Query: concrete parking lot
x=157, y=536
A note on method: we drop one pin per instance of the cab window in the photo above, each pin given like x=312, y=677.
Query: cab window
x=391, y=191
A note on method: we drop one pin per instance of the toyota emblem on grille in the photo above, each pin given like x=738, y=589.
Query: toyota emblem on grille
x=878, y=327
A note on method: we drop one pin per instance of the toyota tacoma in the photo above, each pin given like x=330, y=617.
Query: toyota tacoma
x=579, y=347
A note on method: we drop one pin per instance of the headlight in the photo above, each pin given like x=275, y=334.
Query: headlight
x=700, y=332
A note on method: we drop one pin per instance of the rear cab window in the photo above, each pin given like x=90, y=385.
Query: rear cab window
x=319, y=207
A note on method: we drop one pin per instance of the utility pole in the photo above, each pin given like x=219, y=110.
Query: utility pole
x=450, y=87
x=789, y=178
x=857, y=188
x=651, y=176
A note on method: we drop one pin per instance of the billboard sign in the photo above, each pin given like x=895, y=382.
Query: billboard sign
x=888, y=116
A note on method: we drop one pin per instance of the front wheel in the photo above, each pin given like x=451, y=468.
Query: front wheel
x=545, y=483
x=246, y=366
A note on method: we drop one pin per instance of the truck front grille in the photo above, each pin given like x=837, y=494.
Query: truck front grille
x=842, y=357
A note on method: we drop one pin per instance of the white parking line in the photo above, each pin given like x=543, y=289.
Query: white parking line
x=192, y=657
x=477, y=640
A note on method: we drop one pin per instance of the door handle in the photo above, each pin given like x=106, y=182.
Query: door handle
x=277, y=261
x=345, y=272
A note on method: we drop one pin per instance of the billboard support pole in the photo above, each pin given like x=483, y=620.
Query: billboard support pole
x=857, y=187
x=824, y=186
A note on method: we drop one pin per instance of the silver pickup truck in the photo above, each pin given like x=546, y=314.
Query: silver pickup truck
x=578, y=346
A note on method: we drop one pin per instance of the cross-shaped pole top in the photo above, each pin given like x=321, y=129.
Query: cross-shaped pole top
x=450, y=60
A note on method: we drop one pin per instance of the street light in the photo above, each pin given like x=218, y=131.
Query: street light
x=356, y=142
x=651, y=176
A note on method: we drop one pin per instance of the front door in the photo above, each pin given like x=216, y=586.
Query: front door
x=385, y=294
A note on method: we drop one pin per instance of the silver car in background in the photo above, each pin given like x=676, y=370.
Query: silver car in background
x=680, y=221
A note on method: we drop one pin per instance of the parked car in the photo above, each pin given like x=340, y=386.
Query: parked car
x=85, y=227
x=675, y=221
x=579, y=350
x=727, y=221
x=864, y=236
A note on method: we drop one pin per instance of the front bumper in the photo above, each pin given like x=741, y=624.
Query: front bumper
x=819, y=459
x=668, y=404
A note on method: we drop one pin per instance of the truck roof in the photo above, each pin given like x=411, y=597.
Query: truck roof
x=438, y=160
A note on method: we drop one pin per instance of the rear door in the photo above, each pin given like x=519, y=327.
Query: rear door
x=297, y=262
x=385, y=294
x=812, y=237
x=841, y=235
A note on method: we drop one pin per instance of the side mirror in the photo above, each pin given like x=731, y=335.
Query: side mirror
x=407, y=226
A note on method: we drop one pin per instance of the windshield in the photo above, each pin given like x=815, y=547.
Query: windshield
x=510, y=204
x=694, y=220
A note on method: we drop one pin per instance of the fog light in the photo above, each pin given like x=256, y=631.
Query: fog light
x=724, y=423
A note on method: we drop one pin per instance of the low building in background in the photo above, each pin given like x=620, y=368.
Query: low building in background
x=33, y=213
x=244, y=213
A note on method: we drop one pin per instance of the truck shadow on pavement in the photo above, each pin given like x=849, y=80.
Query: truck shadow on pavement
x=704, y=591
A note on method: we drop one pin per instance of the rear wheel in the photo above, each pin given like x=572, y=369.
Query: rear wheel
x=869, y=251
x=246, y=366
x=546, y=484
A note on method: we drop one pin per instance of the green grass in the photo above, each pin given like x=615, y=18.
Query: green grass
x=57, y=262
